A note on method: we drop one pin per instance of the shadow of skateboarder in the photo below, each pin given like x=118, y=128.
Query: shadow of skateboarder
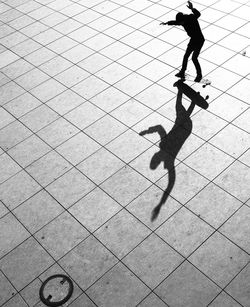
x=171, y=142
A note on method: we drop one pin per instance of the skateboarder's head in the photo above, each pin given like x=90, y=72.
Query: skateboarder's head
x=180, y=17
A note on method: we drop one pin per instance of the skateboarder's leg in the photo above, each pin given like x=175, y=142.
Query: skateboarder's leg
x=195, y=56
x=185, y=61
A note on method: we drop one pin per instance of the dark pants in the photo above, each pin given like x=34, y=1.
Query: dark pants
x=195, y=47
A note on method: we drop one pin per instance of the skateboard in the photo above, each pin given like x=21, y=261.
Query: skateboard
x=194, y=96
x=203, y=81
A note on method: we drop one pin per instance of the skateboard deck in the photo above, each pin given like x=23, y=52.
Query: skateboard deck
x=194, y=96
x=203, y=81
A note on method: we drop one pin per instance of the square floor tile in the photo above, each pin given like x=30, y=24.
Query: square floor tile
x=238, y=64
x=17, y=189
x=213, y=205
x=148, y=258
x=57, y=132
x=72, y=76
x=155, y=96
x=118, y=31
x=12, y=234
x=98, y=42
x=82, y=34
x=245, y=158
x=243, y=121
x=77, y=53
x=205, y=124
x=224, y=300
x=239, y=90
x=118, y=287
x=238, y=288
x=8, y=167
x=25, y=263
x=134, y=60
x=136, y=39
x=116, y=50
x=16, y=301
x=105, y=129
x=237, y=228
x=113, y=73
x=84, y=115
x=22, y=104
x=187, y=183
x=222, y=54
x=187, y=287
x=155, y=47
x=82, y=300
x=7, y=57
x=228, y=80
x=65, y=102
x=40, y=56
x=31, y=292
x=39, y=118
x=94, y=209
x=133, y=84
x=48, y=90
x=38, y=211
x=61, y=235
x=227, y=107
x=48, y=168
x=7, y=290
x=90, y=87
x=209, y=161
x=55, y=66
x=87, y=262
x=128, y=145
x=122, y=233
x=155, y=70
x=10, y=91
x=78, y=148
x=109, y=99
x=219, y=259
x=131, y=112
x=214, y=34
x=3, y=210
x=224, y=140
x=94, y=63
x=26, y=47
x=235, y=180
x=29, y=150
x=70, y=187
x=100, y=165
x=62, y=44
x=235, y=42
x=184, y=231
x=152, y=300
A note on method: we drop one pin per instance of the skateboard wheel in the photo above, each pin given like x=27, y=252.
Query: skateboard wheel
x=206, y=98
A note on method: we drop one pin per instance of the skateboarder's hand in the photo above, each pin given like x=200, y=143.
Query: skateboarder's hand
x=163, y=23
x=190, y=5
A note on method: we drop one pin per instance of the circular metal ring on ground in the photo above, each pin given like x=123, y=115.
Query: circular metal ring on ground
x=47, y=299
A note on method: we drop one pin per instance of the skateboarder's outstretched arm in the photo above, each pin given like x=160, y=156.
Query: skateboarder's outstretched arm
x=196, y=13
x=171, y=23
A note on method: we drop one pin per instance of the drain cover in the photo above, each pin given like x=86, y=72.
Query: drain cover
x=56, y=290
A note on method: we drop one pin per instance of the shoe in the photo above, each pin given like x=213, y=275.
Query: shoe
x=198, y=79
x=180, y=75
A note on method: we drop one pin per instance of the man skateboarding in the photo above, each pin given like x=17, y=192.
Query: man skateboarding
x=191, y=25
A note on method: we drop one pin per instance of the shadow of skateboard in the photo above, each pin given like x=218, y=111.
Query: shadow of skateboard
x=194, y=96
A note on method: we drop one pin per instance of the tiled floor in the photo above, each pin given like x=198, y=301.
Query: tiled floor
x=79, y=81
